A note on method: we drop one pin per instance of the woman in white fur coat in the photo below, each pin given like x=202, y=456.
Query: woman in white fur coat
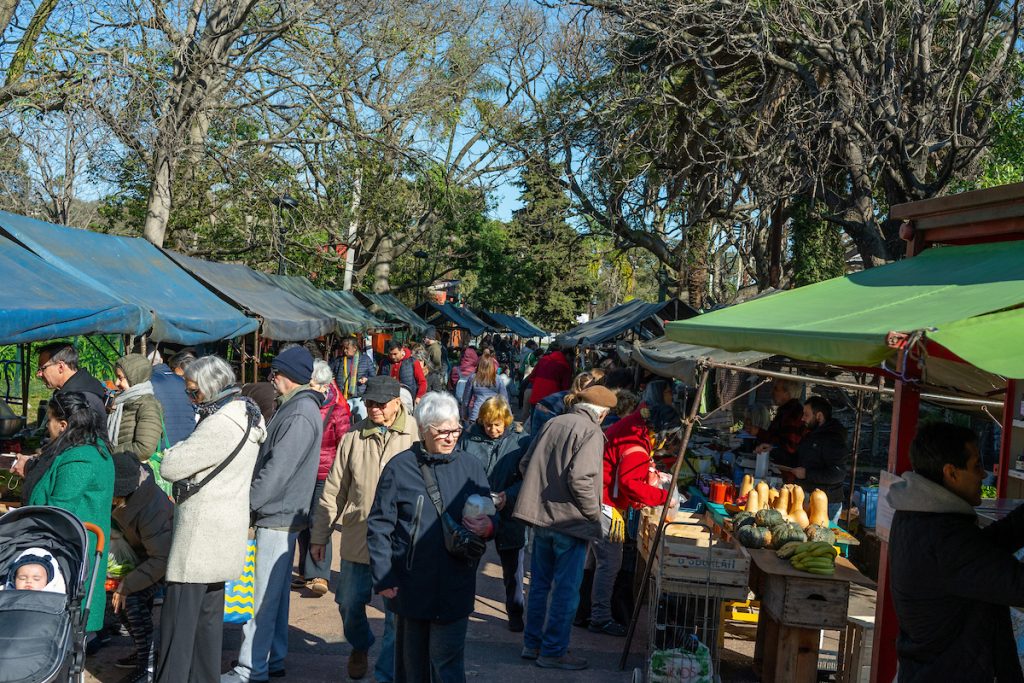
x=210, y=523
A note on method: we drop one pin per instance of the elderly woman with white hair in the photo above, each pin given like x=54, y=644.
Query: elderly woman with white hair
x=212, y=470
x=425, y=540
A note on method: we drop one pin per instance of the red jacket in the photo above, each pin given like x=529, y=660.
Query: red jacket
x=397, y=370
x=627, y=452
x=334, y=429
x=552, y=374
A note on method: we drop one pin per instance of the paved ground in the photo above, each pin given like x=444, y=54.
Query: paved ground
x=318, y=651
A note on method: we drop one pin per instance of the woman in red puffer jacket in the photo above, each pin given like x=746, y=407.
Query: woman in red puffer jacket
x=337, y=419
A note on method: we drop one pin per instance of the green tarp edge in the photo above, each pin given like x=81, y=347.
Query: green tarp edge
x=990, y=342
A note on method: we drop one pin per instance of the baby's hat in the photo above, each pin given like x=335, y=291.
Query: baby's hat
x=54, y=579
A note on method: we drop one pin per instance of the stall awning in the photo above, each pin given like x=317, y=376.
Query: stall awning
x=131, y=269
x=846, y=320
x=350, y=316
x=285, y=316
x=674, y=359
x=644, y=317
x=41, y=302
x=387, y=306
x=514, y=324
x=456, y=315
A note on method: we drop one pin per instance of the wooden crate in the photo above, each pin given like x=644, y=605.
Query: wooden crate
x=807, y=603
x=693, y=555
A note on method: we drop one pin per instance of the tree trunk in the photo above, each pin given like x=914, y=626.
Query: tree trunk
x=158, y=207
x=775, y=240
x=382, y=266
x=353, y=228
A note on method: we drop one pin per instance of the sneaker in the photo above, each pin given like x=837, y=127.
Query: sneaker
x=138, y=676
x=96, y=643
x=609, y=628
x=357, y=664
x=129, y=662
x=235, y=677
x=298, y=583
x=318, y=586
x=530, y=653
x=515, y=623
x=566, y=661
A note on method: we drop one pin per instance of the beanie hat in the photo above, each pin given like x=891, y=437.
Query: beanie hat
x=136, y=368
x=598, y=395
x=295, y=363
x=126, y=473
x=430, y=333
x=45, y=561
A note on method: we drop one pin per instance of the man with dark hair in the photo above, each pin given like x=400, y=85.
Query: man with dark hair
x=952, y=582
x=59, y=371
x=400, y=364
x=437, y=358
x=169, y=389
x=822, y=454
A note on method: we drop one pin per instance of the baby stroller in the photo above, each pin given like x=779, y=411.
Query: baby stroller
x=42, y=635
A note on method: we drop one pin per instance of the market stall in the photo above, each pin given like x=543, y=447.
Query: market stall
x=388, y=307
x=641, y=318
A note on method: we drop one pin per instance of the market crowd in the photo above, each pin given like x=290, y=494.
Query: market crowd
x=415, y=454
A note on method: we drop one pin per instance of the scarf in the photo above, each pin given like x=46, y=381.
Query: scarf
x=349, y=371
x=233, y=393
x=130, y=394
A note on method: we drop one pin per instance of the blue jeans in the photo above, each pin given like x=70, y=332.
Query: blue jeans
x=354, y=592
x=431, y=651
x=556, y=570
x=265, y=636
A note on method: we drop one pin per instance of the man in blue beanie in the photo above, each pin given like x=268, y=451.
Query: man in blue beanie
x=281, y=490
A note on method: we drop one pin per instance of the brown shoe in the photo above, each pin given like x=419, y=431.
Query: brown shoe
x=318, y=586
x=357, y=664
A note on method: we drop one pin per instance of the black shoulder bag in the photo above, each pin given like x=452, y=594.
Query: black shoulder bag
x=460, y=542
x=183, y=490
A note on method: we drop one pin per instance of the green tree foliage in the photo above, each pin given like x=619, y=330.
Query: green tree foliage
x=817, y=245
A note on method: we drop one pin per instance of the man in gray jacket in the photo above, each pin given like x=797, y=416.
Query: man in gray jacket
x=279, y=497
x=561, y=498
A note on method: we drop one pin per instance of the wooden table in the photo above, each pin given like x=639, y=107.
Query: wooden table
x=795, y=607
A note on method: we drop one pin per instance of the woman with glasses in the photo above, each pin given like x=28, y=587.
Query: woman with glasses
x=211, y=522
x=430, y=588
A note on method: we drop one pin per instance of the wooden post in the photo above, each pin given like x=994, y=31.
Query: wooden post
x=858, y=423
x=26, y=377
x=906, y=409
x=1006, y=442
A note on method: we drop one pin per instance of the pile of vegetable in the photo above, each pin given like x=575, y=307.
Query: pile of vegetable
x=772, y=518
x=815, y=557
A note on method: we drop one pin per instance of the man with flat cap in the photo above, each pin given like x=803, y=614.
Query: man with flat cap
x=279, y=497
x=561, y=498
x=345, y=504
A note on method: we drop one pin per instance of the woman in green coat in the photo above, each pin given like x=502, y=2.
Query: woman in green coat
x=76, y=473
x=136, y=421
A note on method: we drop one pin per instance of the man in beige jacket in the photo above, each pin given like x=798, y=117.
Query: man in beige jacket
x=348, y=495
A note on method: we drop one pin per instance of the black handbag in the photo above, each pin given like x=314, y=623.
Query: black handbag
x=460, y=542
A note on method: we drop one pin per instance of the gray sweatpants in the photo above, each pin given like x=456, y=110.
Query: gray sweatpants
x=607, y=559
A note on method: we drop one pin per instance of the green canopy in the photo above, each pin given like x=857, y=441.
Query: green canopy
x=845, y=321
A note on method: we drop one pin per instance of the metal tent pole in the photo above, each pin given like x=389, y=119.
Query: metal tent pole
x=691, y=419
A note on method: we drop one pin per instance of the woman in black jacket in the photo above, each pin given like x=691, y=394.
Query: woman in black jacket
x=499, y=449
x=431, y=591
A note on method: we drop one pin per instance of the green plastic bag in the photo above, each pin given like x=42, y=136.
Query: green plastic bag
x=156, y=460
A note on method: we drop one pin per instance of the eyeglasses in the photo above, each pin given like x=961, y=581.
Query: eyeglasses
x=446, y=433
x=271, y=375
x=192, y=393
x=42, y=368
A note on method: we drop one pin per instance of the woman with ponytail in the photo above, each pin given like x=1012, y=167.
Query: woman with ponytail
x=485, y=384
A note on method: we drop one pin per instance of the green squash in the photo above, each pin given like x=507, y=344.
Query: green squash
x=741, y=519
x=752, y=536
x=768, y=518
x=786, y=532
x=820, y=534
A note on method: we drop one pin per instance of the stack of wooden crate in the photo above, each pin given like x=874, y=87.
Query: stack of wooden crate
x=691, y=557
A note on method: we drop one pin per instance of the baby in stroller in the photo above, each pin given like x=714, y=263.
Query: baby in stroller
x=35, y=570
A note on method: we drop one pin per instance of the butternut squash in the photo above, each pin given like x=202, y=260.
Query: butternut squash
x=752, y=502
x=773, y=495
x=782, y=502
x=747, y=485
x=762, y=494
x=819, y=508
x=799, y=516
x=796, y=501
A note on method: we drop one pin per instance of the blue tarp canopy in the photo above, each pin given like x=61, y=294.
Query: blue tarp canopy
x=388, y=306
x=40, y=302
x=285, y=317
x=133, y=270
x=637, y=315
x=456, y=315
x=349, y=315
x=514, y=324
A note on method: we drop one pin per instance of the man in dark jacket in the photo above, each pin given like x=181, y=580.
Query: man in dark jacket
x=407, y=370
x=59, y=371
x=437, y=361
x=281, y=491
x=352, y=369
x=561, y=498
x=822, y=454
x=145, y=517
x=169, y=389
x=952, y=582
